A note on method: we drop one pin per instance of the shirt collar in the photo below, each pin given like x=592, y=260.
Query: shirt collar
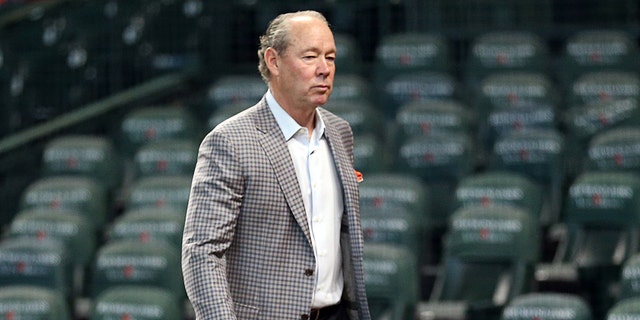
x=287, y=124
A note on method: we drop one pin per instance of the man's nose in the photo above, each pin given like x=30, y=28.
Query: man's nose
x=324, y=66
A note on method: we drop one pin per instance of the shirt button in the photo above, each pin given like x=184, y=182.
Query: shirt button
x=308, y=272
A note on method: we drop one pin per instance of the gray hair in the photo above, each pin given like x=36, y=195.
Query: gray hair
x=277, y=37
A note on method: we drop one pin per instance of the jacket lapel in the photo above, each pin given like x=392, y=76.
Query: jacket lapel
x=276, y=150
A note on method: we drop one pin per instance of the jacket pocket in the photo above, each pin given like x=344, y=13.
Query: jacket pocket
x=246, y=312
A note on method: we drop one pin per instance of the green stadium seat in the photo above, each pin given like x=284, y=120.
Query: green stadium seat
x=148, y=225
x=500, y=188
x=395, y=190
x=547, y=305
x=224, y=113
x=505, y=51
x=32, y=262
x=369, y=154
x=361, y=115
x=538, y=154
x=599, y=234
x=234, y=89
x=408, y=52
x=155, y=123
x=418, y=85
x=83, y=155
x=349, y=59
x=624, y=309
x=78, y=234
x=630, y=278
x=79, y=194
x=136, y=302
x=426, y=117
x=502, y=121
x=391, y=279
x=583, y=123
x=489, y=258
x=351, y=88
x=166, y=157
x=603, y=86
x=33, y=302
x=160, y=192
x=598, y=50
x=151, y=264
x=516, y=89
x=615, y=149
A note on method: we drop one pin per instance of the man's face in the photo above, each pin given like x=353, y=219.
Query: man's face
x=306, y=69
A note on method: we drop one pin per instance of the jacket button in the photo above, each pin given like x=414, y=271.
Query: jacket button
x=304, y=317
x=308, y=272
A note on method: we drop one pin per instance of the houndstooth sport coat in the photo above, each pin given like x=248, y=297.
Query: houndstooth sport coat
x=246, y=250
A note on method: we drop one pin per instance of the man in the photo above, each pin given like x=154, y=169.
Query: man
x=272, y=230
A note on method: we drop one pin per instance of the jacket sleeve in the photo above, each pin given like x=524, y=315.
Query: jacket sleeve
x=214, y=205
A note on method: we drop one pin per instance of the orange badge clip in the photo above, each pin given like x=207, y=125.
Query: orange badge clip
x=359, y=176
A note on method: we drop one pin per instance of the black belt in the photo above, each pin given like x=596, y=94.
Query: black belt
x=324, y=313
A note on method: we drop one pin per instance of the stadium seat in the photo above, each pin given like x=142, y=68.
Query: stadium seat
x=426, y=117
x=369, y=154
x=148, y=225
x=166, y=157
x=78, y=235
x=349, y=59
x=489, y=258
x=502, y=121
x=547, y=305
x=32, y=262
x=418, y=85
x=135, y=302
x=624, y=309
x=160, y=192
x=225, y=112
x=234, y=89
x=616, y=149
x=83, y=155
x=133, y=263
x=538, y=154
x=361, y=115
x=351, y=88
x=440, y=161
x=395, y=190
x=603, y=86
x=516, y=89
x=153, y=123
x=584, y=123
x=505, y=51
x=33, y=302
x=597, y=50
x=391, y=279
x=82, y=195
x=600, y=233
x=492, y=188
x=630, y=278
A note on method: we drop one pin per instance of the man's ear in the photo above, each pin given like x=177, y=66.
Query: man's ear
x=271, y=59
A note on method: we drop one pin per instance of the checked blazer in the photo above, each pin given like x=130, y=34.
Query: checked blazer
x=246, y=250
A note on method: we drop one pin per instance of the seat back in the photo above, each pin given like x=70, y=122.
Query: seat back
x=516, y=89
x=630, y=278
x=369, y=153
x=488, y=256
x=495, y=52
x=92, y=156
x=361, y=115
x=617, y=149
x=394, y=190
x=624, y=309
x=597, y=50
x=136, y=302
x=603, y=86
x=234, y=89
x=160, y=192
x=133, y=263
x=166, y=157
x=586, y=121
x=149, y=225
x=391, y=279
x=76, y=233
x=351, y=88
x=398, y=227
x=426, y=117
x=33, y=302
x=547, y=305
x=418, y=85
x=80, y=194
x=154, y=123
x=31, y=262
x=500, y=188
